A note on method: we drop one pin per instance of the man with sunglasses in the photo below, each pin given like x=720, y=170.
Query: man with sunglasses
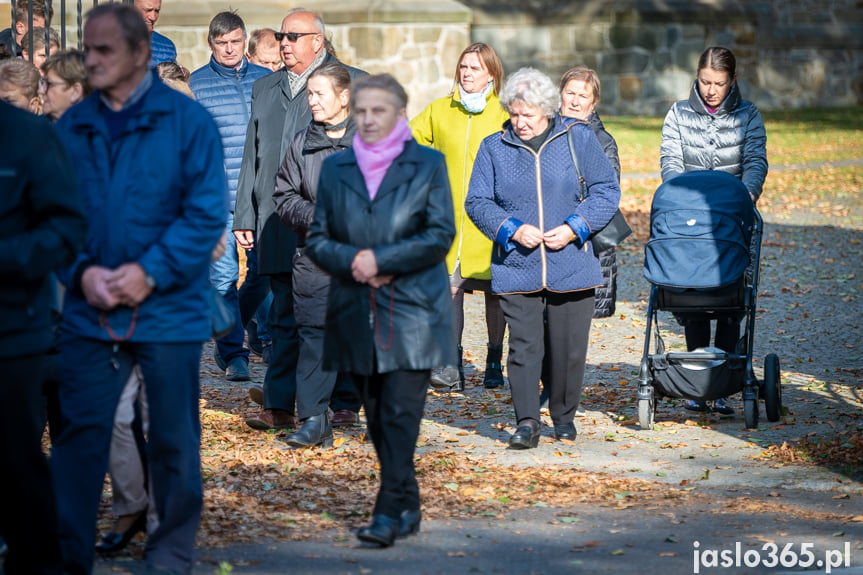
x=279, y=110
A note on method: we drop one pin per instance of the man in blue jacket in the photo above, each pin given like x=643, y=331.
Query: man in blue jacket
x=224, y=88
x=151, y=172
x=161, y=48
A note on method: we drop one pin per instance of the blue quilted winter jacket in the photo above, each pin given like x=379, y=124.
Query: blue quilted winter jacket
x=162, y=50
x=227, y=94
x=512, y=185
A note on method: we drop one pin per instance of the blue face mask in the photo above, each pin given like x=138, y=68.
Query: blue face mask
x=475, y=103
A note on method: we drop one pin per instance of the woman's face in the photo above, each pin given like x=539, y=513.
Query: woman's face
x=327, y=107
x=713, y=86
x=57, y=95
x=473, y=76
x=527, y=121
x=578, y=99
x=12, y=94
x=376, y=114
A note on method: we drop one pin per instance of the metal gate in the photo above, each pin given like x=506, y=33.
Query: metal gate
x=79, y=8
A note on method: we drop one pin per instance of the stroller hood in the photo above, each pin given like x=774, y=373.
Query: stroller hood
x=701, y=225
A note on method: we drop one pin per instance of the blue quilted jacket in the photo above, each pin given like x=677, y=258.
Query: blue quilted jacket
x=227, y=94
x=162, y=50
x=512, y=185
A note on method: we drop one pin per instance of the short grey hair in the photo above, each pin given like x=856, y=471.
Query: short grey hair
x=532, y=87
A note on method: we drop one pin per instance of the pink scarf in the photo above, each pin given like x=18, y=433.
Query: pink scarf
x=375, y=159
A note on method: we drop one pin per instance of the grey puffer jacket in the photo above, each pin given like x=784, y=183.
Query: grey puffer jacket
x=732, y=139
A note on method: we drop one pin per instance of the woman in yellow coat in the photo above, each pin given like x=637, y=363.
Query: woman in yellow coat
x=455, y=125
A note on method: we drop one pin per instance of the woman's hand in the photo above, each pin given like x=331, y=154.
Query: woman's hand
x=364, y=267
x=558, y=237
x=527, y=235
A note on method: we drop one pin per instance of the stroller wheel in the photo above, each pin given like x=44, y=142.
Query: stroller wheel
x=750, y=413
x=772, y=388
x=645, y=413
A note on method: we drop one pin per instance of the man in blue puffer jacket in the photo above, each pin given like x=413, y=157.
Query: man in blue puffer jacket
x=150, y=168
x=161, y=48
x=224, y=87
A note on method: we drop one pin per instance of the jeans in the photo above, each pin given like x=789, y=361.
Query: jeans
x=94, y=376
x=224, y=275
x=255, y=296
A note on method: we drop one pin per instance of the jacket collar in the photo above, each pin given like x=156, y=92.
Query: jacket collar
x=728, y=105
x=226, y=72
x=560, y=126
x=403, y=169
x=87, y=116
x=317, y=138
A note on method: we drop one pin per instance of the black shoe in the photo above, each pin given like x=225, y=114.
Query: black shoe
x=255, y=344
x=526, y=435
x=219, y=361
x=113, y=541
x=409, y=522
x=315, y=430
x=493, y=367
x=267, y=351
x=565, y=431
x=721, y=406
x=383, y=530
x=238, y=369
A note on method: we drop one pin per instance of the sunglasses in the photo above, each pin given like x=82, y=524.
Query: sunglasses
x=292, y=36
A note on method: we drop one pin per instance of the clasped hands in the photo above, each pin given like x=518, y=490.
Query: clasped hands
x=554, y=239
x=105, y=288
x=364, y=268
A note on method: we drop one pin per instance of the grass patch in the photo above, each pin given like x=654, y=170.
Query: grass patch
x=793, y=137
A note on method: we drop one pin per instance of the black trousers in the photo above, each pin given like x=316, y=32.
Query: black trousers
x=696, y=327
x=394, y=407
x=280, y=383
x=28, y=510
x=318, y=390
x=562, y=339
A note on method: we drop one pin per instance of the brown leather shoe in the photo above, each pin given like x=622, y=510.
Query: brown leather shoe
x=272, y=419
x=345, y=418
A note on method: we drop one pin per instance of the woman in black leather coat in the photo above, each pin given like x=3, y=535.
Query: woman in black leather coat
x=382, y=227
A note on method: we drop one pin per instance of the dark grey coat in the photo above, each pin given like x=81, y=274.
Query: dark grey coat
x=410, y=226
x=295, y=196
x=606, y=294
x=276, y=117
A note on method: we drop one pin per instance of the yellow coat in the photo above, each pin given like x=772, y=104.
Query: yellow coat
x=447, y=126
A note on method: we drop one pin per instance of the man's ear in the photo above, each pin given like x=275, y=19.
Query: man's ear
x=318, y=43
x=20, y=28
x=143, y=53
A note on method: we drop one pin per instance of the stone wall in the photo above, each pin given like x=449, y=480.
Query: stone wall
x=791, y=53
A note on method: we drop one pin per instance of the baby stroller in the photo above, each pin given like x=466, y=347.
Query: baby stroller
x=702, y=257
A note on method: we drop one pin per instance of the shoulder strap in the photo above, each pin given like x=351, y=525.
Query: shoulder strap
x=581, y=184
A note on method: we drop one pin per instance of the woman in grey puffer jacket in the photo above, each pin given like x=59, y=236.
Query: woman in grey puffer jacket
x=715, y=129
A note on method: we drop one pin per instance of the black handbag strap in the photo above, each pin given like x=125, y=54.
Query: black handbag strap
x=581, y=183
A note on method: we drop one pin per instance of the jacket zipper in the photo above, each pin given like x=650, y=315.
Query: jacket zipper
x=542, y=254
x=463, y=193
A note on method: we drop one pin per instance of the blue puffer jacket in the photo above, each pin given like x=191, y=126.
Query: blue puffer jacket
x=156, y=196
x=162, y=49
x=227, y=94
x=512, y=185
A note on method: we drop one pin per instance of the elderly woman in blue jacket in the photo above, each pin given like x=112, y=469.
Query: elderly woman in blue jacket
x=715, y=129
x=524, y=195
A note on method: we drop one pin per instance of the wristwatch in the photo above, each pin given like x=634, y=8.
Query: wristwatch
x=151, y=281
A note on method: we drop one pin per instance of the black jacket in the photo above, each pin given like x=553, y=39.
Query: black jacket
x=276, y=118
x=410, y=226
x=295, y=196
x=42, y=228
x=606, y=294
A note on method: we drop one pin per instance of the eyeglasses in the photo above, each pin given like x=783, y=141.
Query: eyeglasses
x=292, y=36
x=47, y=84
